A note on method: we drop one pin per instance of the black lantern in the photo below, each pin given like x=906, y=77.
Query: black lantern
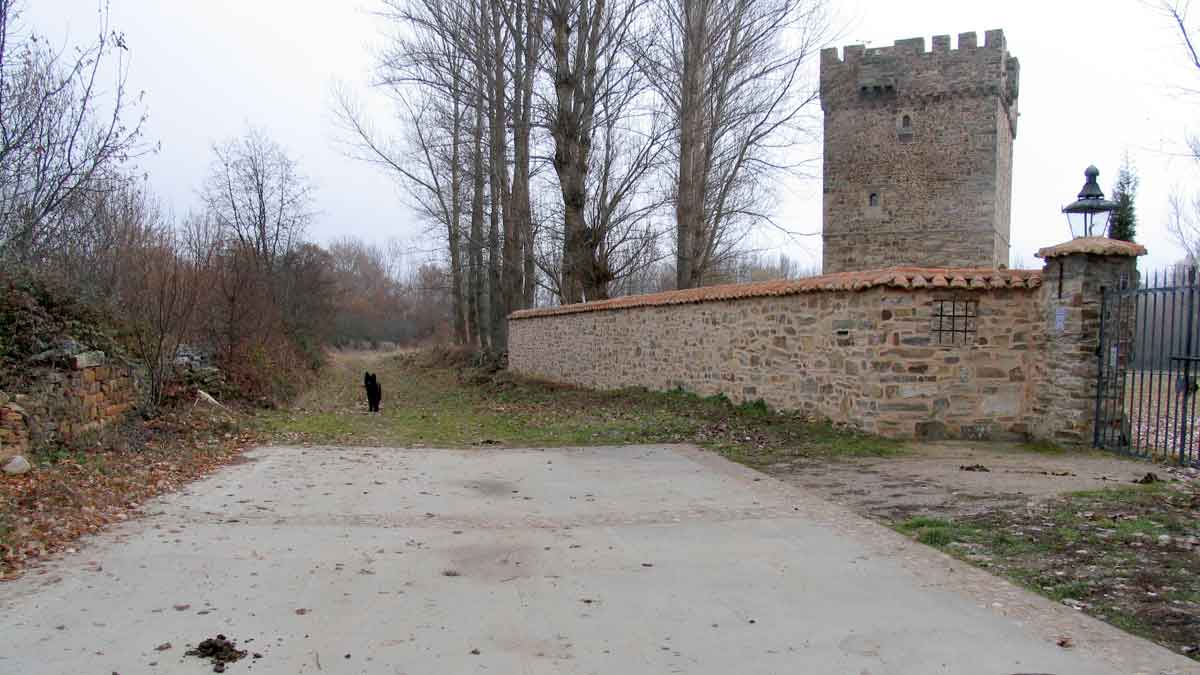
x=1088, y=216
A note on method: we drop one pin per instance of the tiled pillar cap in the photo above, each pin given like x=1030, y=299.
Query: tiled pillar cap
x=1094, y=246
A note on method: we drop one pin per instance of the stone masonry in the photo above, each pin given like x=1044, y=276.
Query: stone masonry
x=918, y=153
x=902, y=352
x=14, y=429
x=1074, y=275
x=67, y=405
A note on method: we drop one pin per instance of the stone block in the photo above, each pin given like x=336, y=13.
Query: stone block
x=85, y=360
x=931, y=431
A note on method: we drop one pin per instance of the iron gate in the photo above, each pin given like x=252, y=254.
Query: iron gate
x=1149, y=358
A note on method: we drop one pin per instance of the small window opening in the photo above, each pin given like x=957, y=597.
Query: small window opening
x=906, y=123
x=873, y=200
x=954, y=321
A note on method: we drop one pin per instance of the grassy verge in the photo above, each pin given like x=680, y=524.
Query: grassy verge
x=1128, y=556
x=434, y=404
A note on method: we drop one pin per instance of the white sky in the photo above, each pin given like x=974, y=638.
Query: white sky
x=1097, y=79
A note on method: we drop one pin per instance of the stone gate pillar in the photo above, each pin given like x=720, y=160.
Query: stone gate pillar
x=1073, y=275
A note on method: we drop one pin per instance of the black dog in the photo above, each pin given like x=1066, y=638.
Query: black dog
x=374, y=391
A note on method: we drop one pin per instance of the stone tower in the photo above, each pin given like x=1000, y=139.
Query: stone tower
x=918, y=153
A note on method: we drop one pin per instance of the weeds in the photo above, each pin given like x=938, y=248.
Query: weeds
x=1127, y=555
x=438, y=400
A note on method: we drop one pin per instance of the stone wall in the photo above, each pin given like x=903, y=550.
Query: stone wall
x=852, y=351
x=14, y=429
x=902, y=352
x=918, y=153
x=68, y=404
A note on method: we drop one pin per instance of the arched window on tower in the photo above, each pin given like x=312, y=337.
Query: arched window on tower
x=873, y=200
x=904, y=128
x=906, y=123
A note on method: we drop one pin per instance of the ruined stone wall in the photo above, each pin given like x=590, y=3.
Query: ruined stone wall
x=69, y=403
x=14, y=429
x=868, y=357
x=918, y=154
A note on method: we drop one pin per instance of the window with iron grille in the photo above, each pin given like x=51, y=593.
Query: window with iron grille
x=953, y=321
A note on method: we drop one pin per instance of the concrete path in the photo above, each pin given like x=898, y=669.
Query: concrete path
x=605, y=560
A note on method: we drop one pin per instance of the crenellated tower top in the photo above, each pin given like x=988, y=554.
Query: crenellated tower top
x=907, y=73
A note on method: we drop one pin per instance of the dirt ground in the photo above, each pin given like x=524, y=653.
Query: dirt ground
x=1084, y=528
x=932, y=480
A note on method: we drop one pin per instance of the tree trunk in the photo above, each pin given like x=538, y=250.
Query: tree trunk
x=499, y=294
x=571, y=126
x=476, y=305
x=526, y=47
x=689, y=203
x=455, y=224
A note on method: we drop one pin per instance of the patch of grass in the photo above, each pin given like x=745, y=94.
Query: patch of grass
x=938, y=532
x=718, y=398
x=1101, y=548
x=1139, y=525
x=49, y=456
x=1071, y=589
x=428, y=403
x=755, y=408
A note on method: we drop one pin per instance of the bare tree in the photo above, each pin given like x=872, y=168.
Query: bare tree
x=622, y=212
x=596, y=88
x=478, y=310
x=1177, y=12
x=428, y=163
x=506, y=59
x=424, y=69
x=1183, y=222
x=63, y=127
x=1183, y=217
x=256, y=194
x=159, y=295
x=732, y=74
x=109, y=225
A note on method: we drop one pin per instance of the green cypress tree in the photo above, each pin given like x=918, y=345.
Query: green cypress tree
x=1124, y=220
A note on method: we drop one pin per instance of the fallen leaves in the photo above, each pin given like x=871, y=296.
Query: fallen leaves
x=72, y=495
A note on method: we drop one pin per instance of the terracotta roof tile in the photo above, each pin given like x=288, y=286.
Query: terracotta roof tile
x=1094, y=245
x=895, y=277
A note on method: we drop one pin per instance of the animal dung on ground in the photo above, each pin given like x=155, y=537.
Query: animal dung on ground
x=219, y=650
x=973, y=467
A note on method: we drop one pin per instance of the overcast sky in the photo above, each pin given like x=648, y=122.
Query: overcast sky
x=1097, y=79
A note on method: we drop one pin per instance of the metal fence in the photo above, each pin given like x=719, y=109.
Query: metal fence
x=1149, y=358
